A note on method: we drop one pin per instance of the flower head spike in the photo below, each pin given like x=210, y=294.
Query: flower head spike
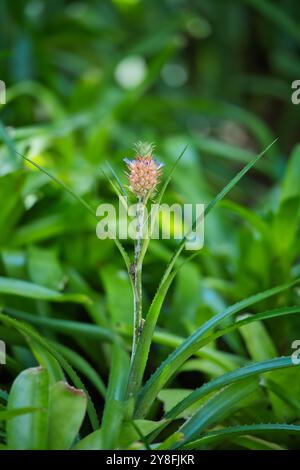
x=144, y=171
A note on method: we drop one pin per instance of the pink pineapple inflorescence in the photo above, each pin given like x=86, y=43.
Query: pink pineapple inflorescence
x=144, y=171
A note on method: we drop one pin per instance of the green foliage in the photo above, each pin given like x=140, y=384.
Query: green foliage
x=67, y=407
x=213, y=367
x=31, y=389
x=51, y=417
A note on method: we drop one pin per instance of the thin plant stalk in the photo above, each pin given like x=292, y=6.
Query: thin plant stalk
x=138, y=367
x=143, y=175
x=137, y=276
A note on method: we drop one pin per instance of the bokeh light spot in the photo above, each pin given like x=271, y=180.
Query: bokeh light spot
x=131, y=71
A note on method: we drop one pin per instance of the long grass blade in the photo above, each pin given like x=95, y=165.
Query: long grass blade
x=191, y=345
x=89, y=208
x=27, y=331
x=246, y=429
x=141, y=356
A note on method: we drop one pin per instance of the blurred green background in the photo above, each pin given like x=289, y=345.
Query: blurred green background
x=85, y=80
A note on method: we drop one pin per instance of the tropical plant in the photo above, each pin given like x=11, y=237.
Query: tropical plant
x=38, y=397
x=122, y=345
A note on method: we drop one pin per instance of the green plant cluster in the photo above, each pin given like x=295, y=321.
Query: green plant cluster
x=213, y=366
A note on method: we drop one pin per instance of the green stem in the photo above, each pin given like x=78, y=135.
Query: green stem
x=137, y=278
